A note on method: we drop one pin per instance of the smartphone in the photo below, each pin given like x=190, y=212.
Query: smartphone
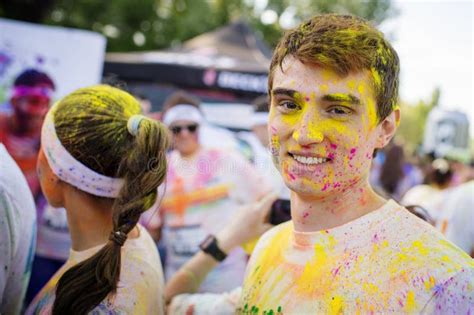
x=280, y=211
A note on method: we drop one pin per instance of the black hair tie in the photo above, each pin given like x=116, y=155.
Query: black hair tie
x=118, y=237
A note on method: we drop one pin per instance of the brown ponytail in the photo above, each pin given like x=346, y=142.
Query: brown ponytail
x=91, y=125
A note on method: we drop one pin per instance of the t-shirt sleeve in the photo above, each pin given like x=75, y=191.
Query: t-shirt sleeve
x=454, y=296
x=205, y=303
x=137, y=279
x=6, y=246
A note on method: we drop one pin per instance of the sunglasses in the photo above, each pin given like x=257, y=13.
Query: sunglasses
x=177, y=129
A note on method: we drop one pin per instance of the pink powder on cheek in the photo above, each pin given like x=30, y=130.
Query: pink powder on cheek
x=305, y=215
x=292, y=176
x=326, y=186
x=352, y=153
x=333, y=146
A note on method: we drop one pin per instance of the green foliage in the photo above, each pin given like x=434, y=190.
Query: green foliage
x=153, y=24
x=413, y=121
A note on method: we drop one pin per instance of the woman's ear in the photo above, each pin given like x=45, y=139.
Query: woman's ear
x=51, y=185
x=387, y=128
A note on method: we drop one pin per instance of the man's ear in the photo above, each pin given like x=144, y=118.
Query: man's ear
x=387, y=128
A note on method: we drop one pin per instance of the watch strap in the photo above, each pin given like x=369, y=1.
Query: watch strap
x=210, y=247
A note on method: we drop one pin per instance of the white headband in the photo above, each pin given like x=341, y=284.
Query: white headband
x=259, y=118
x=183, y=112
x=70, y=170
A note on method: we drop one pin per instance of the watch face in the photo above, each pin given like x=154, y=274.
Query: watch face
x=207, y=242
x=209, y=246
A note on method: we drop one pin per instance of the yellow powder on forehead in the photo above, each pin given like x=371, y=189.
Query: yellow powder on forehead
x=323, y=88
x=361, y=89
x=328, y=75
x=351, y=85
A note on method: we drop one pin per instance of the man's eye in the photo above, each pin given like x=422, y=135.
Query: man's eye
x=288, y=106
x=340, y=110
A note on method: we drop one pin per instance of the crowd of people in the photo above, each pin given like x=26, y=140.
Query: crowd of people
x=106, y=209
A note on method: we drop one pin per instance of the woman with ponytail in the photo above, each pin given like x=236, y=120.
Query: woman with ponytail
x=103, y=161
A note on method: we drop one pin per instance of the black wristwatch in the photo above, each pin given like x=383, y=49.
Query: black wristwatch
x=210, y=247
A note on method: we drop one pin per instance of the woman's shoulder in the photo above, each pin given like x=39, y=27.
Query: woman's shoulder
x=140, y=289
x=141, y=252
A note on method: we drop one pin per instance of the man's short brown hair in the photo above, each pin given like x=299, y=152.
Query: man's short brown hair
x=344, y=44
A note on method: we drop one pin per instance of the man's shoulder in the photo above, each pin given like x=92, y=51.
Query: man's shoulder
x=282, y=230
x=414, y=242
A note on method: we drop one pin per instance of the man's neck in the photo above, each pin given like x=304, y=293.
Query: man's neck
x=311, y=214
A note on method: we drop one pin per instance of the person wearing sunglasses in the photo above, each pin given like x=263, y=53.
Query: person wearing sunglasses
x=205, y=188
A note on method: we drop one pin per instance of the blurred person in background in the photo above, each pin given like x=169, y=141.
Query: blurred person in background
x=17, y=234
x=451, y=208
x=20, y=132
x=396, y=174
x=205, y=188
x=20, y=126
x=145, y=103
x=456, y=221
x=210, y=136
x=430, y=194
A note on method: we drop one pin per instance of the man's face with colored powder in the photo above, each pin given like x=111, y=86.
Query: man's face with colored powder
x=323, y=128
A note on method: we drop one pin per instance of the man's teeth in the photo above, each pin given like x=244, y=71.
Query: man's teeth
x=309, y=159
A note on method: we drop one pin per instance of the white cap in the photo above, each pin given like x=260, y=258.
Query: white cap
x=183, y=112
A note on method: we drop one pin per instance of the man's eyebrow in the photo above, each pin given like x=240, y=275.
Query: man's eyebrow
x=282, y=91
x=341, y=97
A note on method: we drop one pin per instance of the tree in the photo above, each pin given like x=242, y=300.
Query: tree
x=153, y=24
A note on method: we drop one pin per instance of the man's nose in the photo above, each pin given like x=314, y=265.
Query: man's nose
x=309, y=130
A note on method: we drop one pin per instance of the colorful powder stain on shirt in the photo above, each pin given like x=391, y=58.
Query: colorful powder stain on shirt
x=387, y=261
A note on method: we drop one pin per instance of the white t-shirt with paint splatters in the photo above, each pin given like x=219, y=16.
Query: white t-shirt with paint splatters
x=140, y=289
x=17, y=234
x=388, y=261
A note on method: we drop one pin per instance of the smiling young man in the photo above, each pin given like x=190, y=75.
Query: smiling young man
x=333, y=85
